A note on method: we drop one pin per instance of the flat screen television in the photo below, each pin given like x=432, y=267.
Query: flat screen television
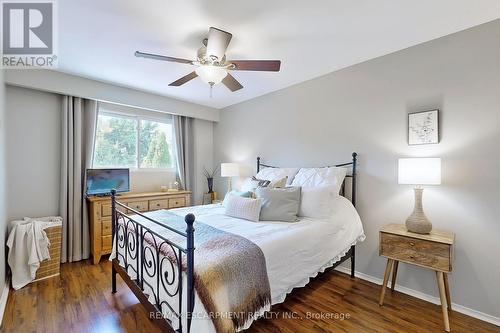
x=102, y=181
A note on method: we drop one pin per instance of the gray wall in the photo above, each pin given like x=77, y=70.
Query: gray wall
x=33, y=122
x=364, y=108
x=2, y=186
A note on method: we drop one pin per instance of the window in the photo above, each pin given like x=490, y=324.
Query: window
x=124, y=141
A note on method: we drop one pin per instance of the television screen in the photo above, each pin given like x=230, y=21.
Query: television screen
x=102, y=181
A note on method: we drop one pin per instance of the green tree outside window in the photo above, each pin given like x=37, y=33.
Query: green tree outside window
x=130, y=142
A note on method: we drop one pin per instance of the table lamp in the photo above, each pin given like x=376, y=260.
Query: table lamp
x=418, y=172
x=229, y=170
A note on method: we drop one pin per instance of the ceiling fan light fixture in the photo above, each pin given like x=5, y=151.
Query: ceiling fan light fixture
x=211, y=74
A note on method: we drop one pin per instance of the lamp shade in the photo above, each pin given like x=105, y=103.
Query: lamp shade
x=229, y=170
x=419, y=171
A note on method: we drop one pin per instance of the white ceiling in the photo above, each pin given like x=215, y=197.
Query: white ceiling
x=97, y=38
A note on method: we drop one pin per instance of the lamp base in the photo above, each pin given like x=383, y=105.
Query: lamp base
x=417, y=222
x=418, y=225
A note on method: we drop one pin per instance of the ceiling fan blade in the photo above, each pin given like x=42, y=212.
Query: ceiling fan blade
x=161, y=57
x=256, y=65
x=184, y=79
x=230, y=82
x=218, y=41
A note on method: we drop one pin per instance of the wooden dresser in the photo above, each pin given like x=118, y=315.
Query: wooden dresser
x=100, y=214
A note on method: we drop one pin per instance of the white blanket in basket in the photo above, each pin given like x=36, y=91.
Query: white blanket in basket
x=28, y=246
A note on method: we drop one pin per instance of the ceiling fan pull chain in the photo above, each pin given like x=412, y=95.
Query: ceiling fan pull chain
x=211, y=88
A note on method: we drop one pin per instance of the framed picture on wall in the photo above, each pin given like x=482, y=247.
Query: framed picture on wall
x=423, y=127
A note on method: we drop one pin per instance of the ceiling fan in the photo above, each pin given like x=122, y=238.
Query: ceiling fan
x=211, y=63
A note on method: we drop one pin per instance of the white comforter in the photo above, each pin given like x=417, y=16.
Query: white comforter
x=294, y=252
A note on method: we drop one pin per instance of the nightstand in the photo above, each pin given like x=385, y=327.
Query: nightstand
x=433, y=251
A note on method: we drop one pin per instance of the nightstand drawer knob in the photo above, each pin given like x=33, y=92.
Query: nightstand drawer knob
x=412, y=244
x=412, y=257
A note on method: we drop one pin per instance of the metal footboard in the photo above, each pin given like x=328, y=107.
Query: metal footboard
x=141, y=262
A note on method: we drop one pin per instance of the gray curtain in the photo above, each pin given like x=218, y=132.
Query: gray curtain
x=184, y=148
x=79, y=120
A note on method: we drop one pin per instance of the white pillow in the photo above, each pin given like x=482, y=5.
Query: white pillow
x=314, y=177
x=243, y=208
x=249, y=185
x=317, y=202
x=273, y=174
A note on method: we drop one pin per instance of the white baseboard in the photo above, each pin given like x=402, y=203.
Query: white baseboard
x=426, y=297
x=3, y=299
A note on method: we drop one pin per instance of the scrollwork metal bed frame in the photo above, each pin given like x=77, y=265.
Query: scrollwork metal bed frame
x=142, y=259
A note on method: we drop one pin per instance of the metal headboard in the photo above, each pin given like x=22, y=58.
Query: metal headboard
x=342, y=190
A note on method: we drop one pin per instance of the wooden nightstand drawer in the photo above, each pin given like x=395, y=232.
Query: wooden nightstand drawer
x=158, y=204
x=176, y=202
x=416, y=251
x=141, y=206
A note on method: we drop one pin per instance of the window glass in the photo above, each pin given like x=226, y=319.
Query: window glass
x=133, y=142
x=155, y=142
x=115, y=142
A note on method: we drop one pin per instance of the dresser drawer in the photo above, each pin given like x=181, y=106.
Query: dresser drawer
x=177, y=202
x=141, y=206
x=416, y=251
x=158, y=204
x=106, y=210
x=106, y=226
x=106, y=243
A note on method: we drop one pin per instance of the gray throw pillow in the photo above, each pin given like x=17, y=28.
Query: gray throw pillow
x=279, y=204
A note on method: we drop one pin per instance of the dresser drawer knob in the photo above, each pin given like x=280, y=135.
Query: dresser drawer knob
x=412, y=257
x=157, y=205
x=412, y=244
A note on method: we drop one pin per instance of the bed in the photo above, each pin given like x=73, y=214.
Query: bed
x=154, y=253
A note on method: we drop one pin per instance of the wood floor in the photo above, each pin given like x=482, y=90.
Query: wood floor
x=80, y=301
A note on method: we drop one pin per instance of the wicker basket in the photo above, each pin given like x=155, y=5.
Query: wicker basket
x=51, y=267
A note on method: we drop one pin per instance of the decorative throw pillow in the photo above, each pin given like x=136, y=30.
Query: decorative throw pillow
x=317, y=202
x=279, y=183
x=243, y=194
x=279, y=204
x=243, y=208
x=250, y=184
x=261, y=182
